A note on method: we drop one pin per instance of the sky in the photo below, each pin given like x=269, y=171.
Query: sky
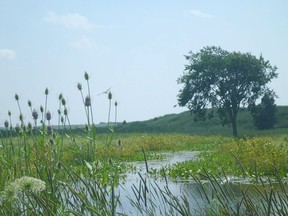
x=136, y=48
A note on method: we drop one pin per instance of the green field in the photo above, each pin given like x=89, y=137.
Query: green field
x=76, y=170
x=184, y=123
x=63, y=159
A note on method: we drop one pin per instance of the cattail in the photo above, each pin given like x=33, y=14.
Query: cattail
x=6, y=124
x=35, y=114
x=17, y=128
x=29, y=126
x=21, y=117
x=41, y=109
x=79, y=86
x=54, y=135
x=65, y=111
x=48, y=116
x=86, y=76
x=119, y=142
x=29, y=103
x=9, y=113
x=46, y=91
x=51, y=141
x=116, y=104
x=87, y=102
x=109, y=95
x=86, y=127
x=49, y=129
x=23, y=127
x=63, y=101
x=60, y=96
x=16, y=97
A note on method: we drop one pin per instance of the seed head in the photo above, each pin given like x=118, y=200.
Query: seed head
x=49, y=129
x=41, y=109
x=87, y=102
x=116, y=104
x=109, y=95
x=6, y=124
x=35, y=114
x=46, y=91
x=63, y=102
x=29, y=126
x=86, y=127
x=62, y=119
x=54, y=135
x=119, y=142
x=21, y=117
x=79, y=86
x=17, y=128
x=9, y=113
x=48, y=116
x=16, y=97
x=51, y=141
x=23, y=127
x=65, y=111
x=86, y=76
x=60, y=96
x=29, y=103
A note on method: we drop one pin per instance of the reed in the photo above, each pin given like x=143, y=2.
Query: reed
x=54, y=171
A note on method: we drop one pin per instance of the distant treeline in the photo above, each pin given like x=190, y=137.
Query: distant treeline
x=181, y=123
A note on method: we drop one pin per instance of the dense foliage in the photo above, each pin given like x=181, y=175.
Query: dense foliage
x=264, y=114
x=224, y=80
x=66, y=171
x=249, y=158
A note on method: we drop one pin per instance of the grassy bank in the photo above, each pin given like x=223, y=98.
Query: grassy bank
x=63, y=170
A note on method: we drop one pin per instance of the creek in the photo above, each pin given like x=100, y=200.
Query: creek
x=144, y=194
x=134, y=184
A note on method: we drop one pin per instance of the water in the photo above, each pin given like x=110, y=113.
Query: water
x=156, y=204
x=160, y=193
x=145, y=194
x=168, y=158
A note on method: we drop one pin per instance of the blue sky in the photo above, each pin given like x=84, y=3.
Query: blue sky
x=135, y=47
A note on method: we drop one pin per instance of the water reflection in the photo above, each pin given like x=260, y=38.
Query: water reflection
x=143, y=194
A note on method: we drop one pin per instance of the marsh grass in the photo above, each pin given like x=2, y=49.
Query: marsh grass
x=83, y=173
x=257, y=156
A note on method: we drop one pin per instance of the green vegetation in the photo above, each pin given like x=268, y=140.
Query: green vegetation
x=248, y=158
x=264, y=114
x=183, y=123
x=61, y=170
x=223, y=80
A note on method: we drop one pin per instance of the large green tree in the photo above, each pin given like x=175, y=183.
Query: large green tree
x=216, y=78
x=264, y=114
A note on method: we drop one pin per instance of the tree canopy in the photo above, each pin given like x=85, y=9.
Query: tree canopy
x=216, y=78
x=264, y=114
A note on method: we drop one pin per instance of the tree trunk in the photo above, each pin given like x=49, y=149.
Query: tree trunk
x=233, y=116
x=234, y=126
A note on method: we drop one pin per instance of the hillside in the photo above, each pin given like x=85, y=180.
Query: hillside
x=184, y=123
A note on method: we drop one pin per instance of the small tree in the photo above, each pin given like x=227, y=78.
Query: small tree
x=264, y=114
x=224, y=80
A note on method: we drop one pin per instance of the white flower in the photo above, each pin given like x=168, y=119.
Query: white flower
x=23, y=184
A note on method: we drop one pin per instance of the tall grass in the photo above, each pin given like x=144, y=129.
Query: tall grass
x=53, y=171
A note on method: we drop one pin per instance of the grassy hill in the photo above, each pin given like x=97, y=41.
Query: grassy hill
x=184, y=123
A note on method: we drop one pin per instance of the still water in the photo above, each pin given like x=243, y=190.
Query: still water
x=134, y=185
x=143, y=194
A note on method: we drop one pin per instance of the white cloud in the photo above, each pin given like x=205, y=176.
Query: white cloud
x=198, y=13
x=70, y=20
x=84, y=43
x=7, y=54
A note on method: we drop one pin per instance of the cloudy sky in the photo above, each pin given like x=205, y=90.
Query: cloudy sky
x=135, y=47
